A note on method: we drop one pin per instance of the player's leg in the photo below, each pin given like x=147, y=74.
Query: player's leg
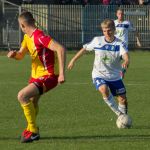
x=122, y=103
x=103, y=88
x=32, y=94
x=34, y=100
x=109, y=99
x=118, y=89
x=29, y=111
x=44, y=85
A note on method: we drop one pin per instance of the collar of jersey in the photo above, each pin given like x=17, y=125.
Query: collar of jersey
x=110, y=42
x=33, y=32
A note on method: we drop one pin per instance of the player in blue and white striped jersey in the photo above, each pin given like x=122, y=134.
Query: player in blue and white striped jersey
x=109, y=51
x=123, y=27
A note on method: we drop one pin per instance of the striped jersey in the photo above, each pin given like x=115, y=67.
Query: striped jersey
x=107, y=63
x=122, y=30
x=44, y=60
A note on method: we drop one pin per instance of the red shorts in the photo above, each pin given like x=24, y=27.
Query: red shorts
x=45, y=83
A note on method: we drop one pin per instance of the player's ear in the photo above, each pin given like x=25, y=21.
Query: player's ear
x=22, y=25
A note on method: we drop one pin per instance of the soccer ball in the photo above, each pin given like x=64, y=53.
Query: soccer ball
x=124, y=121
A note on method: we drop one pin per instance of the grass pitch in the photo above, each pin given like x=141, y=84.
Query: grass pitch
x=73, y=116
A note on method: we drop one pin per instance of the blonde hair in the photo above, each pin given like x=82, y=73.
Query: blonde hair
x=108, y=23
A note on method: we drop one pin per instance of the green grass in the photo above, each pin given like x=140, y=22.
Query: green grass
x=73, y=115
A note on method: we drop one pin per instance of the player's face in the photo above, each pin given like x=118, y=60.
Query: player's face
x=120, y=15
x=22, y=25
x=108, y=33
x=141, y=1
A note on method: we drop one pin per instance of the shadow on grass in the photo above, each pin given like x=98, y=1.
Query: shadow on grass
x=141, y=128
x=117, y=138
x=98, y=137
x=8, y=138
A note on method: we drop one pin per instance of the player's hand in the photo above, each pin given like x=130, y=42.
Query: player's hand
x=125, y=65
x=11, y=54
x=61, y=79
x=70, y=65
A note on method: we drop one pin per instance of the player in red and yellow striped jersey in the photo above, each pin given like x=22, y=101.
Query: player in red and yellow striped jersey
x=48, y=59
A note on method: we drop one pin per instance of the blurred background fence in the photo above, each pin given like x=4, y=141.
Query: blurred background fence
x=71, y=25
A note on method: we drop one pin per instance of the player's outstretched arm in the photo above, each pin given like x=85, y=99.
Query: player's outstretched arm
x=55, y=46
x=74, y=59
x=125, y=64
x=126, y=61
x=17, y=54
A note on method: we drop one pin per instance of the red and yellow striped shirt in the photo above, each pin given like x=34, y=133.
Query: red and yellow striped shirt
x=44, y=60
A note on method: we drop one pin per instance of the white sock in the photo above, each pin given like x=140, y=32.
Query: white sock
x=122, y=108
x=112, y=104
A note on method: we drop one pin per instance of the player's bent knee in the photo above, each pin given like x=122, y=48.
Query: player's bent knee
x=21, y=97
x=104, y=93
x=104, y=89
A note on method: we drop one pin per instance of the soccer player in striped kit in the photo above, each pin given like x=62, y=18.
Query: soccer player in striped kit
x=48, y=59
x=123, y=27
x=107, y=66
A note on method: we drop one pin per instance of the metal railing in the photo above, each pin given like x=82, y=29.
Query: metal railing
x=73, y=25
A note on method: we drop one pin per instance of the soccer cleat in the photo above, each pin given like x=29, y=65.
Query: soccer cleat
x=24, y=133
x=30, y=137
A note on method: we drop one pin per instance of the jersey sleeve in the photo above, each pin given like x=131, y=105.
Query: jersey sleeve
x=24, y=42
x=90, y=46
x=45, y=40
x=123, y=48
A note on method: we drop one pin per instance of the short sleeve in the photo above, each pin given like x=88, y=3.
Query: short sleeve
x=90, y=46
x=45, y=40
